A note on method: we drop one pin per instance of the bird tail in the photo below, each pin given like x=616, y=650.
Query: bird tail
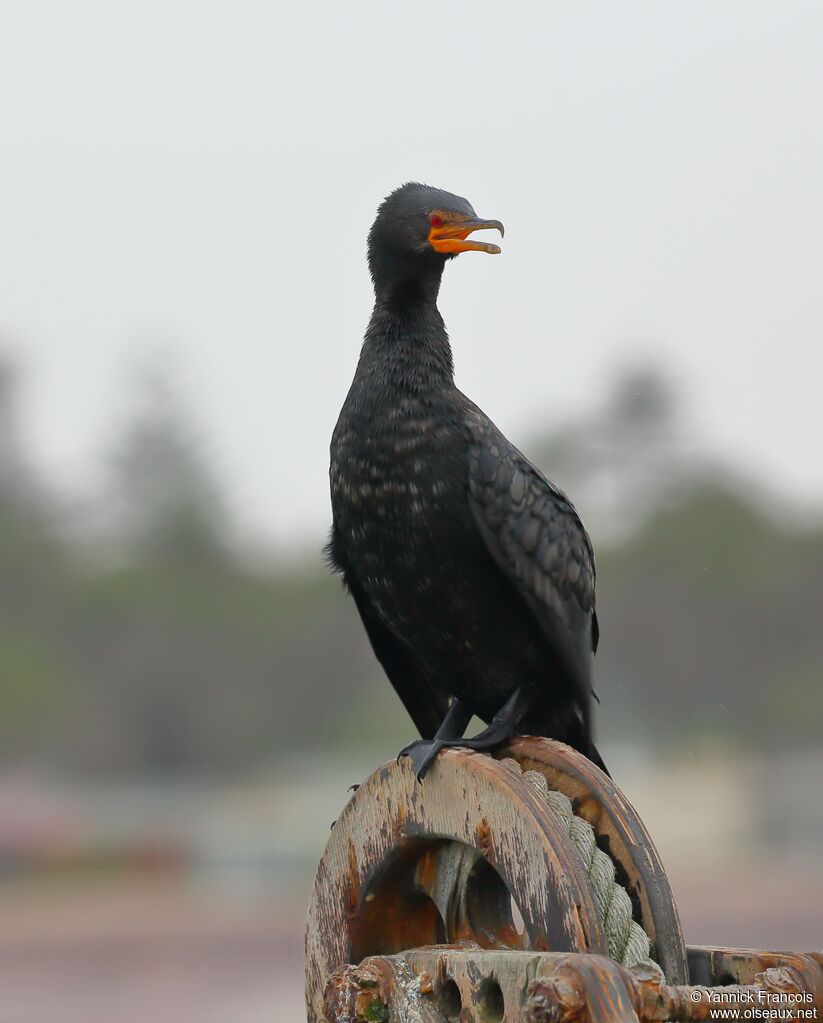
x=573, y=726
x=593, y=754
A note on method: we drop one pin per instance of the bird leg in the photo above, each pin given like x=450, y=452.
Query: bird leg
x=421, y=752
x=501, y=727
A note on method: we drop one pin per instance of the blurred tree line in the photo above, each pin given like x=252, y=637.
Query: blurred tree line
x=145, y=640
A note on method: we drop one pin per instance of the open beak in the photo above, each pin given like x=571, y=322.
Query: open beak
x=454, y=238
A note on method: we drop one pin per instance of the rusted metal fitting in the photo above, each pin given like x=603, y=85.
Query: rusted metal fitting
x=796, y=982
x=784, y=979
x=442, y=984
x=658, y=1003
x=555, y=1001
x=355, y=994
x=380, y=989
x=426, y=983
x=578, y=989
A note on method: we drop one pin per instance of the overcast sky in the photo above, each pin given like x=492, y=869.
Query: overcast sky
x=197, y=179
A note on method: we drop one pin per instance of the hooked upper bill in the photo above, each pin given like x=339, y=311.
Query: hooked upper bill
x=450, y=232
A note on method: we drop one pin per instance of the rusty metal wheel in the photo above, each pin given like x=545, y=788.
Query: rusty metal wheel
x=621, y=833
x=472, y=854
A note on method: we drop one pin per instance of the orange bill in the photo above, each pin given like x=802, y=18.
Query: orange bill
x=452, y=235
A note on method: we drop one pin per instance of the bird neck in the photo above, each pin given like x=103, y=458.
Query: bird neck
x=406, y=340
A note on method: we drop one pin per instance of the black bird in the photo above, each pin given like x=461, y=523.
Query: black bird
x=472, y=572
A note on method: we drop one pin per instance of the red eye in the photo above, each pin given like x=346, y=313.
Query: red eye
x=435, y=221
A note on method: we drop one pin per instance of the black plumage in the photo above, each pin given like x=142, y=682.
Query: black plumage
x=473, y=574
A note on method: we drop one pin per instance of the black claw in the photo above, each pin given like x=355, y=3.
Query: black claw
x=405, y=752
x=353, y=788
x=422, y=753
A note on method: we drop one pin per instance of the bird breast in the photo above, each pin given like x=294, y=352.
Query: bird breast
x=398, y=481
x=394, y=470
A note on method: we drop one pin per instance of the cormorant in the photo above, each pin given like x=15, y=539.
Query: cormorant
x=472, y=573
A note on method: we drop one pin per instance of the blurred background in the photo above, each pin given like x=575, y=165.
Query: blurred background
x=185, y=694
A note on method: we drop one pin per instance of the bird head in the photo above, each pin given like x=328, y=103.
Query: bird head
x=419, y=227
